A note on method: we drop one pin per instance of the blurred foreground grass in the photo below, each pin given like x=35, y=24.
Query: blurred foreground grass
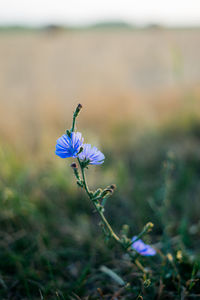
x=51, y=246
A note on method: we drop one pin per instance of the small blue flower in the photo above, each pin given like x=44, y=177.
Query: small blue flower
x=69, y=146
x=142, y=248
x=91, y=155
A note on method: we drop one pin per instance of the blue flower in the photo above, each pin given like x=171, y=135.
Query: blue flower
x=69, y=146
x=142, y=248
x=91, y=155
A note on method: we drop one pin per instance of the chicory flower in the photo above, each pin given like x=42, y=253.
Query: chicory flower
x=69, y=146
x=91, y=155
x=142, y=248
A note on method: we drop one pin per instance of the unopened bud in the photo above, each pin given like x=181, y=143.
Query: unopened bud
x=79, y=106
x=113, y=186
x=170, y=257
x=149, y=226
x=74, y=165
x=106, y=192
x=179, y=255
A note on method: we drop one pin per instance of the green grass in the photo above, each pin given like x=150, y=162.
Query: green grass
x=51, y=246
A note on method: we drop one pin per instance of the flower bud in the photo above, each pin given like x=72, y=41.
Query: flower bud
x=149, y=226
x=113, y=186
x=74, y=165
x=106, y=192
x=170, y=257
x=79, y=106
x=179, y=255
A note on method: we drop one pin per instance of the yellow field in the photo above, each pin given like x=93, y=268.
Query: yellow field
x=144, y=77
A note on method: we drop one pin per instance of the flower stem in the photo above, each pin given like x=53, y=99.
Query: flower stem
x=103, y=218
x=84, y=179
x=73, y=123
x=98, y=209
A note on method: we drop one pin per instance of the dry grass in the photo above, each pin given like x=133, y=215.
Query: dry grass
x=142, y=77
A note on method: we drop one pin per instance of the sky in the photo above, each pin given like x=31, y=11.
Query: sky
x=84, y=12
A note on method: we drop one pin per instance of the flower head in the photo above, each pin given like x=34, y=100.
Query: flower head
x=142, y=248
x=69, y=146
x=91, y=155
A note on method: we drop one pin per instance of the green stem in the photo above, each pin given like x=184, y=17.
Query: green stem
x=84, y=179
x=73, y=122
x=103, y=218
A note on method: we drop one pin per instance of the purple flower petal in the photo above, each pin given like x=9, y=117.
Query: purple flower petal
x=142, y=248
x=91, y=154
x=69, y=146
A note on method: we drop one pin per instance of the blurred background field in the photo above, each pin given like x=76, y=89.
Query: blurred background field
x=141, y=78
x=140, y=91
